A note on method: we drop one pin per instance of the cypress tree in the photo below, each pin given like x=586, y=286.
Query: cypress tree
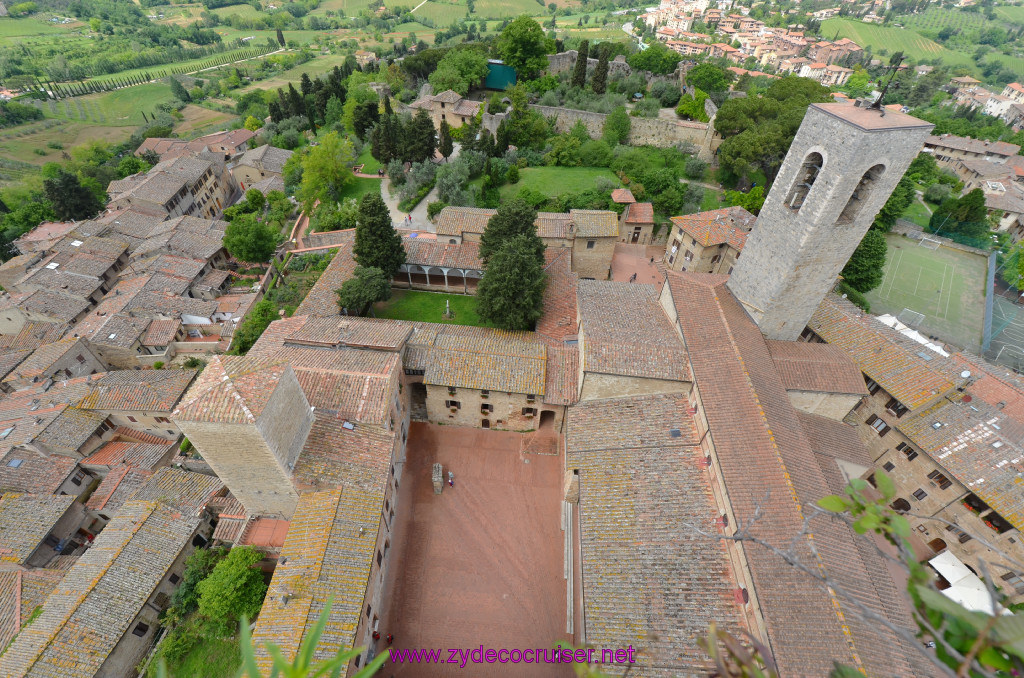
x=600, y=80
x=377, y=244
x=579, y=71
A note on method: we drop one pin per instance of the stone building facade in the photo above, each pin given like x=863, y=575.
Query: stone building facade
x=839, y=171
x=484, y=408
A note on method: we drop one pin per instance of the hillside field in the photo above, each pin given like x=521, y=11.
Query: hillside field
x=893, y=39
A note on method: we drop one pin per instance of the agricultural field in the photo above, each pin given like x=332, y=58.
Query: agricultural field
x=17, y=30
x=1011, y=13
x=244, y=11
x=314, y=68
x=893, y=39
x=936, y=18
x=192, y=65
x=441, y=13
x=199, y=121
x=343, y=7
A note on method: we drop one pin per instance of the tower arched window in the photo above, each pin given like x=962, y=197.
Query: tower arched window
x=805, y=179
x=860, y=194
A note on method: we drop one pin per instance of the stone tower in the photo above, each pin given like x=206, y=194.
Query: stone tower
x=249, y=419
x=840, y=170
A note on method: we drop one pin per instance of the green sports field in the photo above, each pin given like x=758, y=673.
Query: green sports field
x=945, y=284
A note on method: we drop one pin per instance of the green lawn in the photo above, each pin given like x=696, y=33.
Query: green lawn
x=360, y=187
x=946, y=285
x=713, y=200
x=918, y=213
x=429, y=307
x=893, y=39
x=370, y=164
x=555, y=181
x=14, y=29
x=213, y=658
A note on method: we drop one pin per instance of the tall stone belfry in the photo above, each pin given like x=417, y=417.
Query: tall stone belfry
x=840, y=170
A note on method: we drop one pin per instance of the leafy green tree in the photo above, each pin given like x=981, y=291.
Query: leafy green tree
x=617, y=126
x=364, y=117
x=525, y=127
x=335, y=111
x=599, y=81
x=691, y=106
x=514, y=217
x=863, y=272
x=579, y=71
x=511, y=293
x=711, y=79
x=459, y=70
x=252, y=123
x=965, y=216
x=250, y=240
x=368, y=286
x=325, y=172
x=444, y=144
x=262, y=314
x=131, y=164
x=69, y=198
x=234, y=589
x=657, y=58
x=378, y=244
x=523, y=46
x=1013, y=267
x=752, y=200
x=336, y=216
x=198, y=566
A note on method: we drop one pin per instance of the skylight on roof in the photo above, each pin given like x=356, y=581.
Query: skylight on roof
x=6, y=432
x=675, y=433
x=52, y=265
x=924, y=355
x=76, y=243
x=15, y=463
x=111, y=336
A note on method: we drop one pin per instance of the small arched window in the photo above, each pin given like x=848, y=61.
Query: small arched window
x=805, y=178
x=860, y=194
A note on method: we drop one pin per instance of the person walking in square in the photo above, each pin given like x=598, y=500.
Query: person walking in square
x=451, y=479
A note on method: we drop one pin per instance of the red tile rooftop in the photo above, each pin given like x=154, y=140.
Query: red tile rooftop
x=265, y=532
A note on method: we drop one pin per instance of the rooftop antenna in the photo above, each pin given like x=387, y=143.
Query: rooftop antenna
x=894, y=67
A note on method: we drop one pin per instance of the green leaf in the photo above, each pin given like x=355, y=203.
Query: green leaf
x=865, y=523
x=1008, y=632
x=843, y=671
x=993, y=658
x=885, y=485
x=249, y=666
x=858, y=484
x=372, y=667
x=900, y=526
x=834, y=503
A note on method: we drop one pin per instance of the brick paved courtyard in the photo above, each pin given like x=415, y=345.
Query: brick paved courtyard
x=480, y=564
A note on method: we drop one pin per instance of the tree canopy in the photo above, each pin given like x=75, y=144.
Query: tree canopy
x=325, y=172
x=367, y=286
x=523, y=46
x=579, y=70
x=863, y=272
x=711, y=79
x=511, y=293
x=251, y=240
x=513, y=217
x=234, y=589
x=657, y=58
x=617, y=126
x=71, y=200
x=759, y=130
x=378, y=244
x=459, y=70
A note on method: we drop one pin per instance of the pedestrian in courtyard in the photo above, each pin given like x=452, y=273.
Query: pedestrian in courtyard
x=389, y=638
x=451, y=479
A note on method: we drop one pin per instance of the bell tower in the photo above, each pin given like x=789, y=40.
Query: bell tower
x=841, y=168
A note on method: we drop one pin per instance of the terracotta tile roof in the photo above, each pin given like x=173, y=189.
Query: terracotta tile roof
x=40, y=363
x=120, y=329
x=497, y=360
x=767, y=462
x=26, y=520
x=33, y=335
x=265, y=533
x=139, y=455
x=561, y=379
x=117, y=487
x=994, y=384
x=328, y=558
x=167, y=264
x=972, y=145
x=265, y=157
x=213, y=279
x=187, y=491
x=466, y=108
x=558, y=322
x=46, y=231
x=448, y=96
x=161, y=332
x=92, y=607
x=554, y=225
x=69, y=429
x=81, y=263
x=93, y=244
x=979, y=445
x=622, y=195
x=35, y=474
x=322, y=299
x=728, y=225
x=616, y=318
x=805, y=366
x=640, y=213
x=114, y=302
x=232, y=389
x=61, y=307
x=30, y=588
x=595, y=223
x=382, y=334
x=356, y=397
x=335, y=456
x=650, y=580
x=10, y=359
x=908, y=371
x=444, y=255
x=834, y=439
x=138, y=390
x=459, y=220
x=152, y=303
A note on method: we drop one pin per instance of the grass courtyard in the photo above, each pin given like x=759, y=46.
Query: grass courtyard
x=554, y=181
x=429, y=307
x=946, y=285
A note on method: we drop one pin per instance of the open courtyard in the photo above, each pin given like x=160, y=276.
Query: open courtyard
x=481, y=563
x=946, y=285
